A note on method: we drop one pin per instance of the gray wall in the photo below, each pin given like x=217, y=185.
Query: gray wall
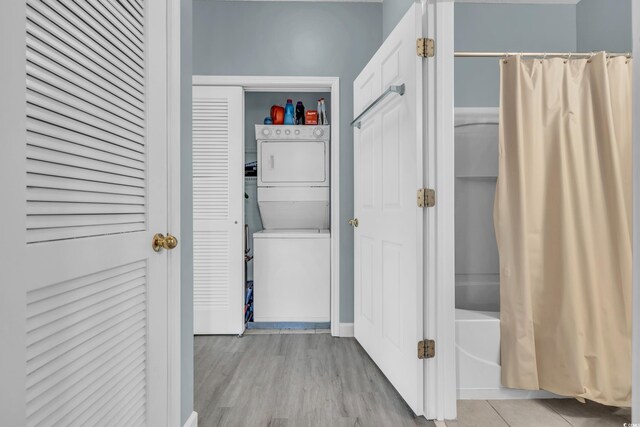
x=295, y=39
x=499, y=27
x=504, y=27
x=256, y=108
x=599, y=25
x=392, y=13
x=186, y=226
x=604, y=25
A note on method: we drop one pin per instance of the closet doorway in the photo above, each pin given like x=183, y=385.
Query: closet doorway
x=223, y=243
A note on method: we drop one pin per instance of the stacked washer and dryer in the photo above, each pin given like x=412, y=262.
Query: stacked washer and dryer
x=292, y=267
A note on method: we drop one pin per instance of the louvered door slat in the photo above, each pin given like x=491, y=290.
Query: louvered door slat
x=53, y=234
x=83, y=151
x=70, y=184
x=63, y=406
x=37, y=195
x=48, y=331
x=37, y=296
x=134, y=6
x=125, y=394
x=84, y=337
x=57, y=110
x=114, y=398
x=104, y=8
x=48, y=208
x=128, y=10
x=77, y=369
x=111, y=398
x=72, y=126
x=92, y=334
x=56, y=169
x=82, y=371
x=37, y=152
x=134, y=25
x=132, y=415
x=74, y=32
x=41, y=129
x=113, y=35
x=85, y=340
x=54, y=319
x=70, y=96
x=67, y=72
x=35, y=222
x=42, y=41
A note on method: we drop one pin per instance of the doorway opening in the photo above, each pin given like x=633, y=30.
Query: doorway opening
x=288, y=234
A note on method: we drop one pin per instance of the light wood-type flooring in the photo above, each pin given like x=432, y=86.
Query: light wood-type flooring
x=294, y=379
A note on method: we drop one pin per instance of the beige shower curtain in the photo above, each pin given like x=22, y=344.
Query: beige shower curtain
x=563, y=224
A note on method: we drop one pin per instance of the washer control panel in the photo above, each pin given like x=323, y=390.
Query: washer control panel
x=280, y=132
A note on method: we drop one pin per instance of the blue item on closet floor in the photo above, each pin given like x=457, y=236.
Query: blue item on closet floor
x=289, y=325
x=248, y=303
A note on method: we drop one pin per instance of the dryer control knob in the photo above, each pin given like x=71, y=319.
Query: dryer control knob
x=266, y=131
x=287, y=131
x=278, y=132
x=297, y=132
x=317, y=132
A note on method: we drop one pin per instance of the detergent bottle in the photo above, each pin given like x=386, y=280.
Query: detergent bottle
x=289, y=113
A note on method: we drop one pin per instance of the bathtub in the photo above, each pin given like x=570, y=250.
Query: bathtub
x=478, y=358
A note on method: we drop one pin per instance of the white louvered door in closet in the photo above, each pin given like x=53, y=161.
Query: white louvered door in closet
x=83, y=182
x=218, y=210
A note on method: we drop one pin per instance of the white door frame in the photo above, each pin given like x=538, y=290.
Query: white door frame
x=635, y=395
x=174, y=309
x=305, y=84
x=439, y=250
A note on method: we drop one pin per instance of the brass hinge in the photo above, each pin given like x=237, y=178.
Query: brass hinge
x=426, y=349
x=426, y=47
x=426, y=198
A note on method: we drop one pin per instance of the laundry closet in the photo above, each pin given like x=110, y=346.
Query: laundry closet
x=262, y=209
x=287, y=186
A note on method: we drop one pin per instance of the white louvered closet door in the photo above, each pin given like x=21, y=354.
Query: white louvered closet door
x=218, y=210
x=83, y=188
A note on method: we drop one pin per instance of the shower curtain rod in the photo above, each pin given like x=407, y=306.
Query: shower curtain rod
x=536, y=54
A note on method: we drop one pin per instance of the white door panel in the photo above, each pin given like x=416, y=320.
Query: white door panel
x=218, y=210
x=84, y=188
x=388, y=241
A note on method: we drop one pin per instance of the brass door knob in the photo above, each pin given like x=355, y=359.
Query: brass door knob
x=160, y=242
x=354, y=222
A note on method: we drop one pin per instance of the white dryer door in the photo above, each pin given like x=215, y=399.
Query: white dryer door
x=293, y=162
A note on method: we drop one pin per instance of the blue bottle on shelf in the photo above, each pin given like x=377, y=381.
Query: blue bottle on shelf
x=289, y=113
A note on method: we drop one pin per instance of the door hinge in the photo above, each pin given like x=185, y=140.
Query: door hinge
x=426, y=47
x=426, y=198
x=426, y=349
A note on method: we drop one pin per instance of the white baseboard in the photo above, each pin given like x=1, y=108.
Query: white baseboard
x=346, y=330
x=192, y=421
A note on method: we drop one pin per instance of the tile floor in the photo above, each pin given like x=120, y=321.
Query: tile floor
x=538, y=413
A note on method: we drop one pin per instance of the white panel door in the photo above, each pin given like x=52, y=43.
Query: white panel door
x=83, y=184
x=218, y=210
x=388, y=318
